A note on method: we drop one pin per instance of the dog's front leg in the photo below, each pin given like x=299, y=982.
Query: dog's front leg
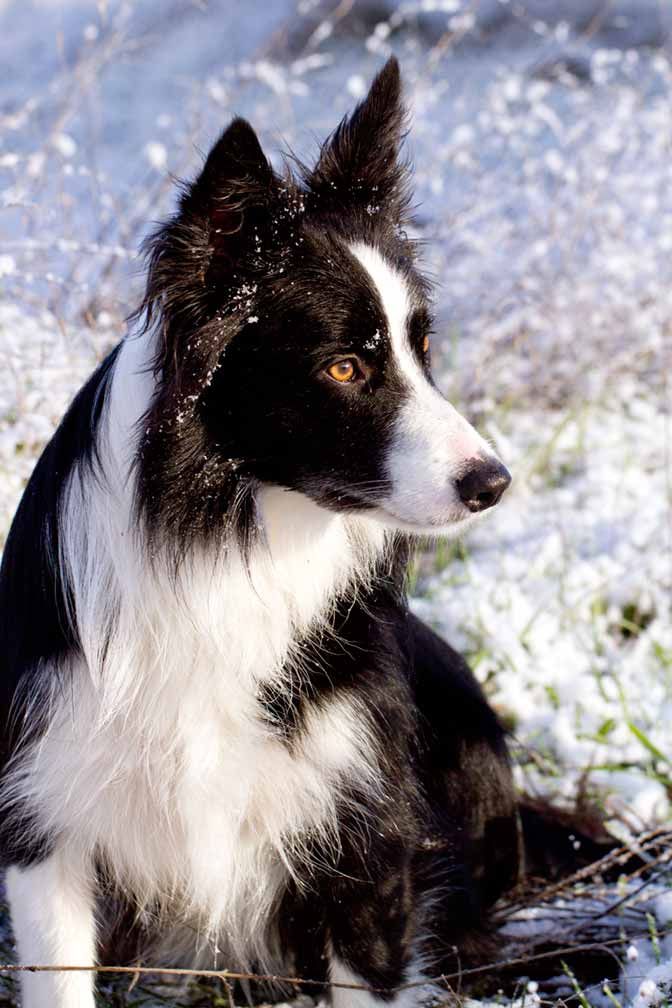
x=373, y=926
x=52, y=909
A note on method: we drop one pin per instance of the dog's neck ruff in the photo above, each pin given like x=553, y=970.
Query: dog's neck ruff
x=245, y=609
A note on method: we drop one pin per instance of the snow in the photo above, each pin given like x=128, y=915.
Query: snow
x=663, y=909
x=540, y=141
x=65, y=145
x=156, y=154
x=656, y=988
x=356, y=86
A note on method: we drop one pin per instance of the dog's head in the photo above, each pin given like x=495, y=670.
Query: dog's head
x=295, y=339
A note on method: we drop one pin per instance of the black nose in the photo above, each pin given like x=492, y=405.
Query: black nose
x=483, y=484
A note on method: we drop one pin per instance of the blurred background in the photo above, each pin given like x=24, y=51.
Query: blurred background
x=541, y=145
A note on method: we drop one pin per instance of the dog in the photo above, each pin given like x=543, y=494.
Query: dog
x=214, y=698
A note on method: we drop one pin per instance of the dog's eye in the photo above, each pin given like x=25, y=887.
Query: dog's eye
x=420, y=331
x=343, y=370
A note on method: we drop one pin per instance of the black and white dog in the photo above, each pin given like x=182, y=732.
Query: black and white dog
x=214, y=700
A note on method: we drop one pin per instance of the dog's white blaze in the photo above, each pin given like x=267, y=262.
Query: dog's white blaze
x=432, y=443
x=157, y=758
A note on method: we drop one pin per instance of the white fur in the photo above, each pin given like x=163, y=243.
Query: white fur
x=53, y=925
x=432, y=443
x=347, y=997
x=155, y=756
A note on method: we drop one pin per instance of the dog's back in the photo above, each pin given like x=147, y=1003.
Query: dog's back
x=36, y=629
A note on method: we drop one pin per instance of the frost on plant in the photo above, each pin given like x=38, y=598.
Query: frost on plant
x=542, y=166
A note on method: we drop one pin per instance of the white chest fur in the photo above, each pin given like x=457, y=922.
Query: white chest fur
x=158, y=756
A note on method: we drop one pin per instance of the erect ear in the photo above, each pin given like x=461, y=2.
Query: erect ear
x=359, y=164
x=230, y=196
x=222, y=218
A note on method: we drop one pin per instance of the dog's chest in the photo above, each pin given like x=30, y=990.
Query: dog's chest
x=232, y=824
x=170, y=767
x=210, y=820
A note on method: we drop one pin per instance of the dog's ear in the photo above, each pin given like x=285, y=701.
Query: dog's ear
x=359, y=165
x=222, y=219
x=231, y=196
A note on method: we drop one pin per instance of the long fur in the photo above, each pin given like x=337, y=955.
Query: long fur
x=215, y=700
x=166, y=693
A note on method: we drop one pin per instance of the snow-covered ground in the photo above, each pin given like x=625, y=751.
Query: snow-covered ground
x=542, y=145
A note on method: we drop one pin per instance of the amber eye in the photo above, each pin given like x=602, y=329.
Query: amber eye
x=343, y=370
x=425, y=345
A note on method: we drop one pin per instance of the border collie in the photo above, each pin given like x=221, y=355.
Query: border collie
x=215, y=701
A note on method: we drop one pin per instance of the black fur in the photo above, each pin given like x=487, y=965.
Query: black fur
x=247, y=244
x=447, y=833
x=35, y=626
x=253, y=290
